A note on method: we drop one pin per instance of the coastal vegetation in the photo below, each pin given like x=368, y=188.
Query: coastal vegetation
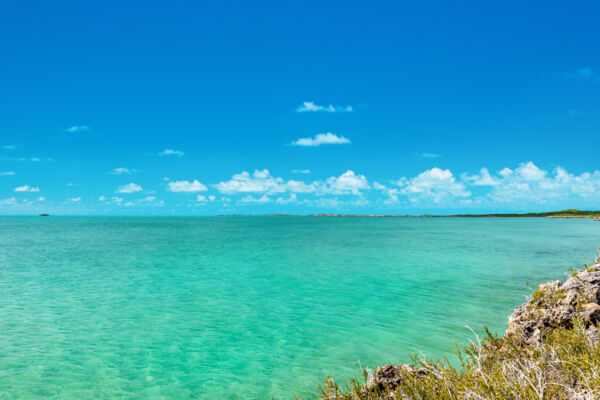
x=551, y=350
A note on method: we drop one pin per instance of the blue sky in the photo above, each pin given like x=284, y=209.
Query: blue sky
x=221, y=107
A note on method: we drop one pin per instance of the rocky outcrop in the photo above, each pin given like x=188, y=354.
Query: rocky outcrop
x=557, y=304
x=552, y=305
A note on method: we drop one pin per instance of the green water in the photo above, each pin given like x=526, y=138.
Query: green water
x=254, y=307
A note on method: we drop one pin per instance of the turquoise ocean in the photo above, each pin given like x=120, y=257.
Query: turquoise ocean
x=255, y=307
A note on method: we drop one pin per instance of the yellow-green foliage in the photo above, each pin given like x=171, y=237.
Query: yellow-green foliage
x=565, y=366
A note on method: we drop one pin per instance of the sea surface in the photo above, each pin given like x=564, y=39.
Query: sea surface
x=255, y=307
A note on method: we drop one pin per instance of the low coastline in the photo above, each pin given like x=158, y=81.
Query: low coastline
x=570, y=213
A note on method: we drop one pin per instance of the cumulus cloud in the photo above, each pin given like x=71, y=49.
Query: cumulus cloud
x=320, y=139
x=529, y=182
x=434, y=185
x=309, y=106
x=171, y=152
x=77, y=128
x=129, y=188
x=483, y=179
x=186, y=186
x=261, y=181
x=346, y=183
x=27, y=188
x=7, y=173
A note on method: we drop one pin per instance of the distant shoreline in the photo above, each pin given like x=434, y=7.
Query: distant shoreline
x=571, y=213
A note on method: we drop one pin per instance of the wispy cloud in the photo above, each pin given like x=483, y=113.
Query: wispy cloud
x=122, y=171
x=74, y=199
x=171, y=152
x=584, y=74
x=301, y=171
x=309, y=106
x=31, y=159
x=7, y=173
x=429, y=155
x=11, y=201
x=186, y=186
x=9, y=147
x=320, y=139
x=77, y=128
x=129, y=188
x=27, y=188
x=255, y=200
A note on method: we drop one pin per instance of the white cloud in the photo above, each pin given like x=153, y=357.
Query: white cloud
x=75, y=199
x=77, y=128
x=31, y=159
x=122, y=170
x=392, y=193
x=530, y=183
x=434, y=185
x=309, y=106
x=7, y=173
x=321, y=138
x=27, y=188
x=186, y=186
x=261, y=181
x=129, y=188
x=171, y=152
x=347, y=183
x=203, y=199
x=483, y=179
x=293, y=198
x=11, y=201
x=301, y=171
x=41, y=199
x=255, y=200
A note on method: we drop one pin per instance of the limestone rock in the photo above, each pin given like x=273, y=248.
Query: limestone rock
x=557, y=304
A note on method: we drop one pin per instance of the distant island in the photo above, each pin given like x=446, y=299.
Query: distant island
x=570, y=213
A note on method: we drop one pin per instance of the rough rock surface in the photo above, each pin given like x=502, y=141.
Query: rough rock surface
x=557, y=304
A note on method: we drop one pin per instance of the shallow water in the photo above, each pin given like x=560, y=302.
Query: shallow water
x=254, y=307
